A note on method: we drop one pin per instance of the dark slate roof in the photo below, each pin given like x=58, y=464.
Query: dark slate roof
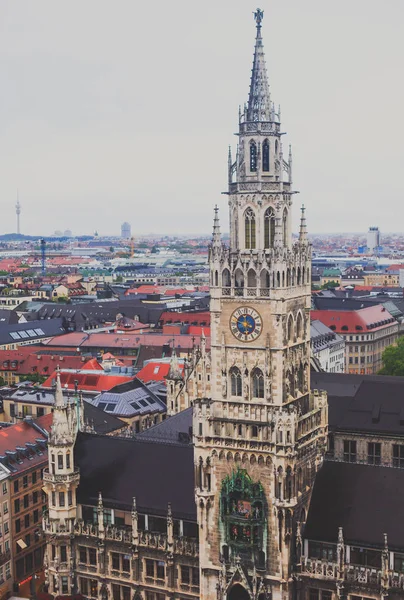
x=100, y=420
x=378, y=406
x=30, y=332
x=364, y=500
x=121, y=468
x=328, y=303
x=367, y=403
x=131, y=398
x=8, y=316
x=174, y=430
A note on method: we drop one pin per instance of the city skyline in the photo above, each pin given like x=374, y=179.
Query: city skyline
x=85, y=125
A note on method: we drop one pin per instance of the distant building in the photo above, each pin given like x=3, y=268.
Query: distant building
x=327, y=347
x=125, y=231
x=373, y=239
x=367, y=332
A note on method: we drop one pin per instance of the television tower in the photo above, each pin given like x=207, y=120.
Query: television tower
x=18, y=212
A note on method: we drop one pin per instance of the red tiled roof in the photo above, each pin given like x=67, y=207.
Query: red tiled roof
x=123, y=340
x=155, y=371
x=22, y=433
x=364, y=320
x=97, y=382
x=29, y=361
x=197, y=330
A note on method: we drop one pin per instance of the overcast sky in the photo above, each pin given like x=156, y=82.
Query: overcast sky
x=114, y=110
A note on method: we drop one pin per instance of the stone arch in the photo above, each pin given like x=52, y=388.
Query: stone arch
x=226, y=278
x=239, y=279
x=222, y=455
x=278, y=279
x=299, y=325
x=288, y=280
x=290, y=329
x=229, y=456
x=216, y=279
x=293, y=282
x=237, y=457
x=261, y=460
x=253, y=459
x=299, y=275
x=245, y=458
x=283, y=279
x=238, y=592
x=251, y=278
x=265, y=279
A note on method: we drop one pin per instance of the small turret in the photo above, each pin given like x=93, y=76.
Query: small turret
x=303, y=227
x=216, y=237
x=174, y=372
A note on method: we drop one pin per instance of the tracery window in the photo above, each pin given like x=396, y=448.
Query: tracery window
x=235, y=382
x=269, y=228
x=257, y=377
x=265, y=156
x=249, y=222
x=253, y=157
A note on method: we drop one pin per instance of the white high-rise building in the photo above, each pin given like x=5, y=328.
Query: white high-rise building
x=125, y=230
x=373, y=239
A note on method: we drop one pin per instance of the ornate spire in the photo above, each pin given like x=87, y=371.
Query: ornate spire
x=290, y=164
x=303, y=227
x=259, y=101
x=229, y=166
x=59, y=400
x=216, y=237
x=174, y=370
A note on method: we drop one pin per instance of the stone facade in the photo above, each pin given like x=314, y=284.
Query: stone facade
x=261, y=436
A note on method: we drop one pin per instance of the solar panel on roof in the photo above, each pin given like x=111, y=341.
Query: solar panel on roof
x=23, y=334
x=31, y=332
x=39, y=331
x=14, y=335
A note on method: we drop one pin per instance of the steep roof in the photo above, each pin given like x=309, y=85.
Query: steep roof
x=371, y=318
x=156, y=474
x=366, y=501
x=174, y=430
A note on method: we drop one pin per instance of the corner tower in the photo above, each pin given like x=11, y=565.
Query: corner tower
x=261, y=437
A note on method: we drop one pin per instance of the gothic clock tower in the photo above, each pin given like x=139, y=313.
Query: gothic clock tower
x=261, y=436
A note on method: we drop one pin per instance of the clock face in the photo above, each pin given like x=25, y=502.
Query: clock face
x=246, y=324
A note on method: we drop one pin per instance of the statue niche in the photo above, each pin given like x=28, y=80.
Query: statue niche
x=243, y=513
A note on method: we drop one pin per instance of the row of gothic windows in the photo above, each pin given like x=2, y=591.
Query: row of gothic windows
x=269, y=228
x=257, y=383
x=265, y=156
x=291, y=277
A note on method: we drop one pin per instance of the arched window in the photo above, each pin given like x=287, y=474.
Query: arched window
x=249, y=221
x=299, y=326
x=265, y=279
x=269, y=228
x=285, y=227
x=251, y=279
x=258, y=388
x=288, y=277
x=276, y=147
x=239, y=282
x=235, y=382
x=265, y=156
x=298, y=275
x=253, y=157
x=216, y=278
x=226, y=278
x=290, y=328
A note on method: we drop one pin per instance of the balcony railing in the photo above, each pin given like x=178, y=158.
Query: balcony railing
x=147, y=539
x=370, y=576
